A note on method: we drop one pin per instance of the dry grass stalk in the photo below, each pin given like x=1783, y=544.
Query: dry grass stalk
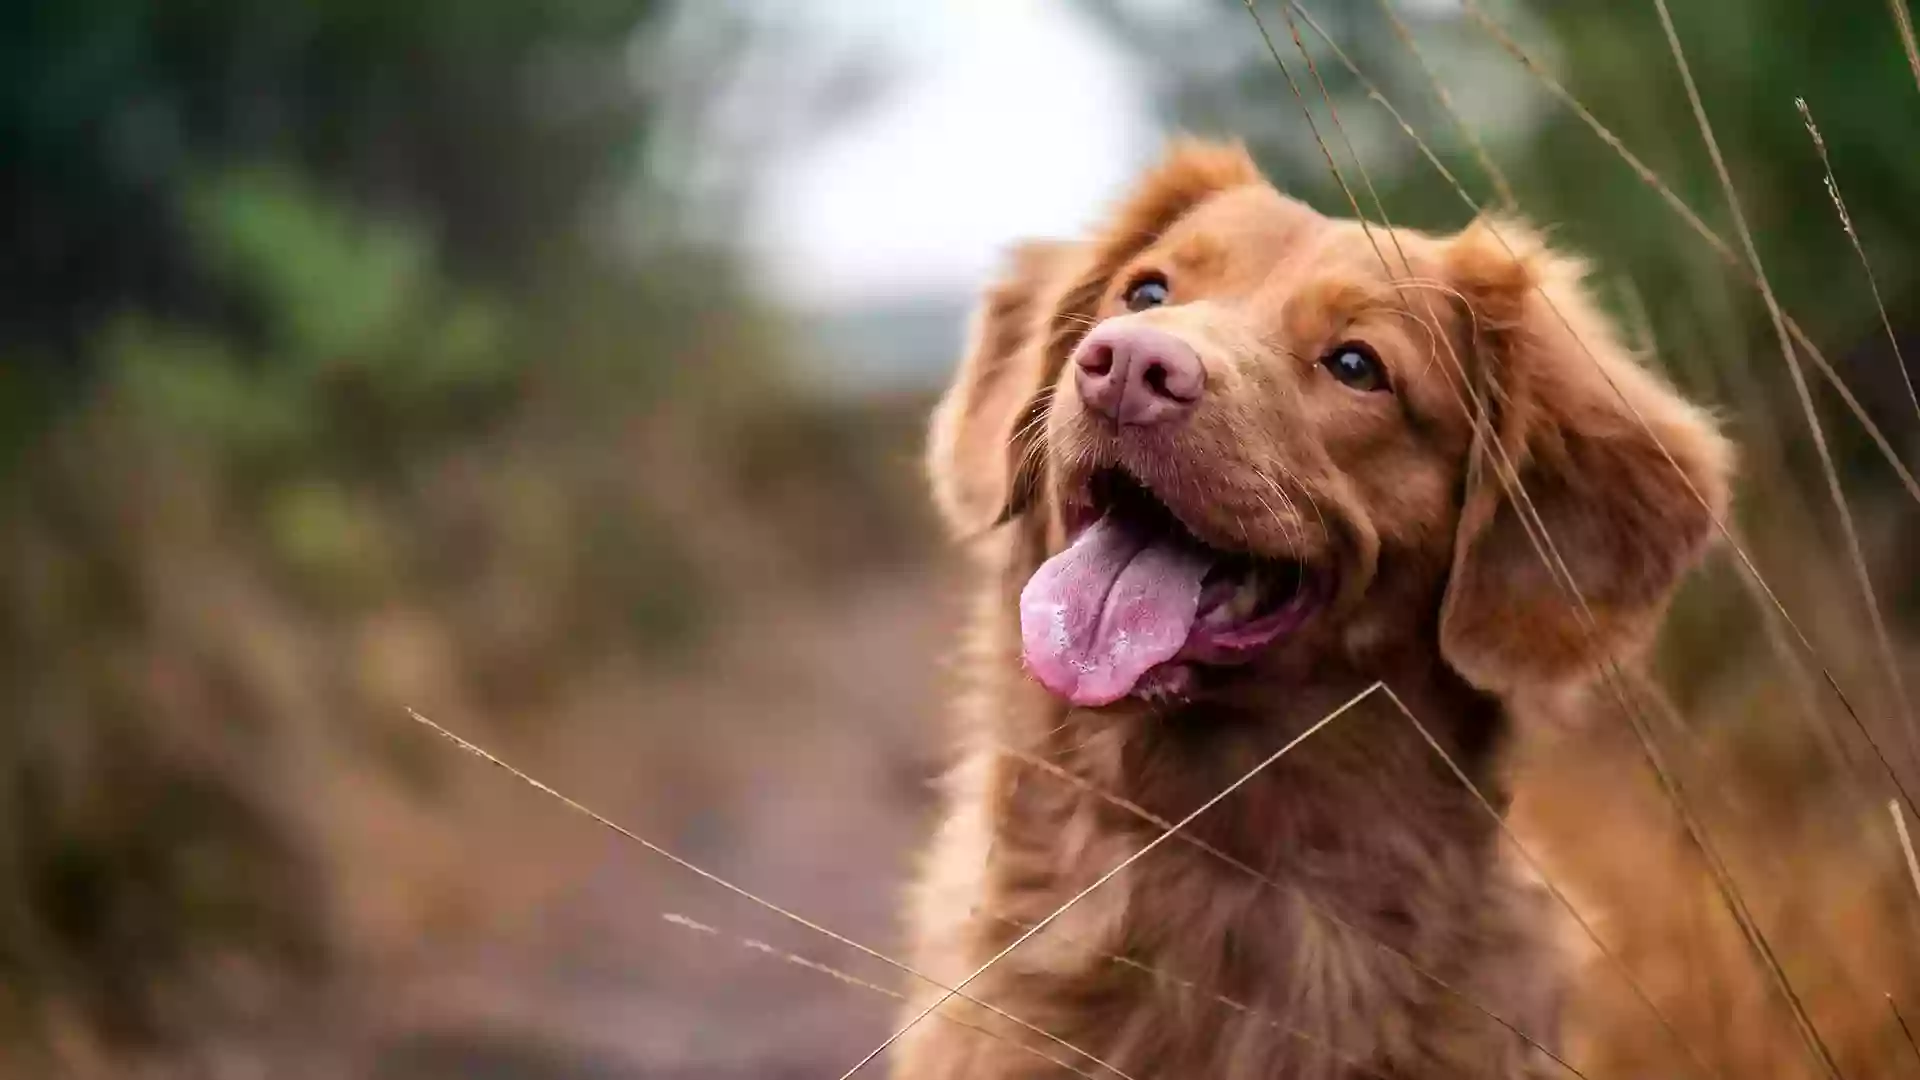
x=1706, y=233
x=1906, y=842
x=737, y=890
x=1267, y=881
x=1853, y=236
x=849, y=979
x=1550, y=554
x=1766, y=591
x=1903, y=19
x=1169, y=834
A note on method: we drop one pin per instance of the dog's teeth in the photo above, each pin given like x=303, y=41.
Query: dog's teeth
x=1239, y=605
x=1244, y=599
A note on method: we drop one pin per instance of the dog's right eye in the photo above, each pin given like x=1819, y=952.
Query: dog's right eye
x=1356, y=365
x=1149, y=291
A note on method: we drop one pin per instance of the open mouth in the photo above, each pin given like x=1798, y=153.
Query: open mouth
x=1136, y=600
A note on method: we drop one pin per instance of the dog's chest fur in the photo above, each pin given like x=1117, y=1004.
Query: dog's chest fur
x=1309, y=925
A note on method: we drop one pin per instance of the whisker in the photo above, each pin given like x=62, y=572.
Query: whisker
x=1104, y=727
x=1287, y=473
x=1042, y=410
x=1286, y=524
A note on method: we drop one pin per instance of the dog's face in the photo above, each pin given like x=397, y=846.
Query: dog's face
x=1248, y=435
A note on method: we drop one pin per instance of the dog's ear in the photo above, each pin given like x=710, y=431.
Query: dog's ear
x=1623, y=476
x=984, y=447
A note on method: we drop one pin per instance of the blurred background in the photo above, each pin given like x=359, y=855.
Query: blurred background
x=558, y=370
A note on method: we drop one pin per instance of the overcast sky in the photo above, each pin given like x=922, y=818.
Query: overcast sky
x=1002, y=119
x=1006, y=118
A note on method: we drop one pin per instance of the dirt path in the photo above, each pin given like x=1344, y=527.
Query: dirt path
x=791, y=759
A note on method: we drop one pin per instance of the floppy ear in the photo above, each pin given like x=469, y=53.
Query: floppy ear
x=1582, y=424
x=983, y=449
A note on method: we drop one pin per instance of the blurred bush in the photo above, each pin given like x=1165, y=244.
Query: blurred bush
x=335, y=384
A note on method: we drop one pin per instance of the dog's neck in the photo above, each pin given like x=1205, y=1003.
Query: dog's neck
x=1317, y=890
x=1365, y=778
x=1360, y=814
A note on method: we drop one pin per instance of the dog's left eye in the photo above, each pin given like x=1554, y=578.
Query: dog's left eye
x=1148, y=292
x=1356, y=365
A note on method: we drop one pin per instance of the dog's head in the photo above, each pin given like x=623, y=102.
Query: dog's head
x=1249, y=434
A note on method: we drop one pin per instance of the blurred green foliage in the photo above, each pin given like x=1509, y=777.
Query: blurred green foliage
x=313, y=323
x=354, y=355
x=495, y=125
x=1750, y=61
x=359, y=331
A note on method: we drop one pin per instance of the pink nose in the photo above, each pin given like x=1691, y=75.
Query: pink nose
x=1138, y=375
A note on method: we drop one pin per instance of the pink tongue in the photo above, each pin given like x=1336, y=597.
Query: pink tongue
x=1097, y=616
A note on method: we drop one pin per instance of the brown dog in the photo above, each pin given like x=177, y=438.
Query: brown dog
x=1232, y=480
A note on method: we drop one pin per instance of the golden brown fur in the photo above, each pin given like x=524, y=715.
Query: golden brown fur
x=1368, y=856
